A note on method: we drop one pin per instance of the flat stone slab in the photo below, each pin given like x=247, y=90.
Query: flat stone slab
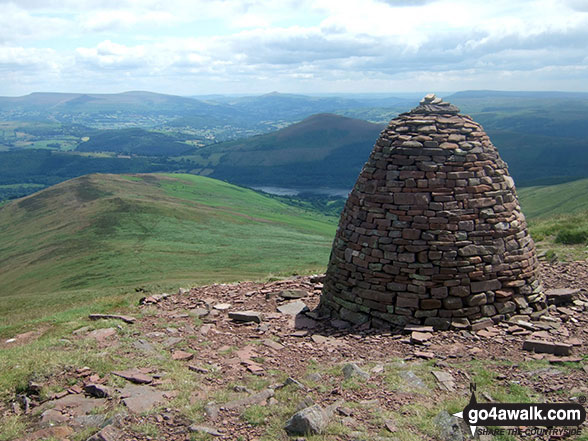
x=139, y=399
x=418, y=328
x=445, y=380
x=293, y=308
x=124, y=318
x=547, y=347
x=293, y=293
x=182, y=355
x=76, y=404
x=102, y=334
x=246, y=316
x=257, y=398
x=420, y=338
x=222, y=306
x=561, y=296
x=134, y=376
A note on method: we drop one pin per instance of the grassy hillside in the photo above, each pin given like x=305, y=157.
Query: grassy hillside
x=101, y=234
x=322, y=150
x=558, y=218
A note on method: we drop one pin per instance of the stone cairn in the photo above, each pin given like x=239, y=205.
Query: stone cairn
x=432, y=233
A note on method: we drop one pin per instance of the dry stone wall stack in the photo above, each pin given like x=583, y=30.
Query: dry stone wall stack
x=432, y=233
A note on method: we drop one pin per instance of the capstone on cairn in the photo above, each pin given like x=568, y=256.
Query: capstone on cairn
x=432, y=233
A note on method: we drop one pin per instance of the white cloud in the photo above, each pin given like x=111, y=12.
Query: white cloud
x=310, y=44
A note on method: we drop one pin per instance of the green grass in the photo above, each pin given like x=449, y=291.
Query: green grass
x=553, y=200
x=557, y=216
x=98, y=236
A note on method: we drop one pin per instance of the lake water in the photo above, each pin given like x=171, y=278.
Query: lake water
x=286, y=191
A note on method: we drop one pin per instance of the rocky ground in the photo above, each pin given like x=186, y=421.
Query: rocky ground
x=238, y=361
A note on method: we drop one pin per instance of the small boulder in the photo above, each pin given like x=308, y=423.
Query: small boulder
x=312, y=420
x=98, y=390
x=351, y=370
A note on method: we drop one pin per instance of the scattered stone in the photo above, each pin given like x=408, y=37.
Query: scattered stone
x=143, y=345
x=351, y=370
x=95, y=420
x=449, y=427
x=424, y=354
x=257, y=398
x=546, y=347
x=139, y=399
x=102, y=334
x=293, y=308
x=315, y=377
x=109, y=433
x=293, y=293
x=199, y=312
x=171, y=341
x=246, y=316
x=198, y=369
x=418, y=328
x=445, y=380
x=344, y=411
x=211, y=410
x=310, y=421
x=295, y=382
x=204, y=429
x=411, y=380
x=134, y=376
x=561, y=296
x=124, y=318
x=390, y=425
x=52, y=417
x=76, y=405
x=222, y=306
x=420, y=338
x=272, y=344
x=182, y=355
x=98, y=390
x=60, y=433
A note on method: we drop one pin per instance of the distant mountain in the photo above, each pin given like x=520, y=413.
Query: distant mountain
x=322, y=150
x=141, y=109
x=134, y=141
x=68, y=243
x=542, y=135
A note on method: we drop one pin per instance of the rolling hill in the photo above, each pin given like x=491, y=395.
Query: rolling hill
x=542, y=135
x=322, y=150
x=134, y=141
x=97, y=234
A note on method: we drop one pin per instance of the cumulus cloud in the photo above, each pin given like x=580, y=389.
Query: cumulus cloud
x=220, y=45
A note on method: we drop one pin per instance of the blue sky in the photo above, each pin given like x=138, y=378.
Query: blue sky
x=190, y=47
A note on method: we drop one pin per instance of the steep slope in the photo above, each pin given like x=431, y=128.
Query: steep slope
x=120, y=231
x=323, y=149
x=552, y=200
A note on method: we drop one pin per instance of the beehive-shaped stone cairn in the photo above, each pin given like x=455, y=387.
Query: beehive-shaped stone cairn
x=432, y=233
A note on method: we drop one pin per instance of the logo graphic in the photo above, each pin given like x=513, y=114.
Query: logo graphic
x=520, y=414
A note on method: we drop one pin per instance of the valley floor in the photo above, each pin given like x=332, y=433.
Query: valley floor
x=186, y=370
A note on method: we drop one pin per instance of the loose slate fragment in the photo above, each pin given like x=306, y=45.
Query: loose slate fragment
x=124, y=318
x=134, y=376
x=445, y=380
x=547, y=347
x=246, y=316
